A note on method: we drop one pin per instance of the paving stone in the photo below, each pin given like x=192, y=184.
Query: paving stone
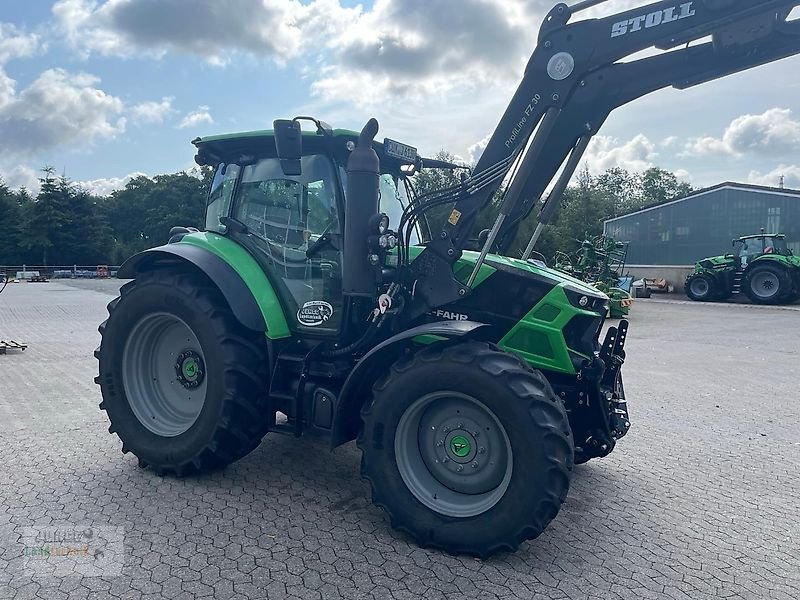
x=699, y=501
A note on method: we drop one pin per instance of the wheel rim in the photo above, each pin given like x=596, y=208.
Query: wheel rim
x=164, y=375
x=453, y=454
x=765, y=284
x=700, y=287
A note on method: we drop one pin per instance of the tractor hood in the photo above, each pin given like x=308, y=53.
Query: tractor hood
x=533, y=270
x=538, y=269
x=529, y=308
x=715, y=262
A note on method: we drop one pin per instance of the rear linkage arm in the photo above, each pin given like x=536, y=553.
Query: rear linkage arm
x=571, y=84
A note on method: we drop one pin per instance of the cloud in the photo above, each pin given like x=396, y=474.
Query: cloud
x=214, y=30
x=58, y=108
x=104, y=187
x=475, y=151
x=196, y=117
x=152, y=112
x=19, y=176
x=607, y=152
x=15, y=43
x=413, y=49
x=772, y=133
x=790, y=174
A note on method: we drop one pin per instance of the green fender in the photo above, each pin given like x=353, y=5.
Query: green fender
x=238, y=276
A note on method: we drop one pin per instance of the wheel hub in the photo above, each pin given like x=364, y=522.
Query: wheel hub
x=460, y=446
x=163, y=374
x=190, y=369
x=700, y=287
x=453, y=454
x=765, y=285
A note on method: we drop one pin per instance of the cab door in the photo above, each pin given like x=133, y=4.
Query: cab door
x=294, y=224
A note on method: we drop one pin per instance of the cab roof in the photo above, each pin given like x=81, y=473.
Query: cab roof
x=265, y=134
x=231, y=147
x=779, y=236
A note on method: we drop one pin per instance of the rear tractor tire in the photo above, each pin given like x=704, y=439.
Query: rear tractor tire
x=183, y=383
x=701, y=288
x=466, y=448
x=768, y=284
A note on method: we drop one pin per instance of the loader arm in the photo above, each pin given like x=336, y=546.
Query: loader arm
x=572, y=82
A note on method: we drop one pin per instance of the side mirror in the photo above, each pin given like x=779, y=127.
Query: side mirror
x=289, y=145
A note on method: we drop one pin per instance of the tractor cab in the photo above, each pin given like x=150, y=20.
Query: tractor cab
x=287, y=208
x=748, y=248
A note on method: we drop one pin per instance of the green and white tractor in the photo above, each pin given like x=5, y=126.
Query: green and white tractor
x=321, y=299
x=762, y=266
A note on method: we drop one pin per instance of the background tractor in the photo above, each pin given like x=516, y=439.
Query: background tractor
x=762, y=266
x=600, y=261
x=321, y=299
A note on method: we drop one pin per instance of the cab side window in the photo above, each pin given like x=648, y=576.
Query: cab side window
x=219, y=198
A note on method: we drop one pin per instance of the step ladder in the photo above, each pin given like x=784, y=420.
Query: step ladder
x=291, y=369
x=737, y=281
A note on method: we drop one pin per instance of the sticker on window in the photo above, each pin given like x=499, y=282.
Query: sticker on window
x=314, y=314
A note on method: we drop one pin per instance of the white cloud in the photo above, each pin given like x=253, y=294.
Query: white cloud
x=421, y=48
x=15, y=43
x=214, y=30
x=196, y=117
x=19, y=176
x=152, y=112
x=104, y=187
x=475, y=151
x=790, y=174
x=605, y=152
x=56, y=109
x=772, y=133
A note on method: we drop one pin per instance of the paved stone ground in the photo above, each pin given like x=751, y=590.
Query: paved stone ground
x=699, y=501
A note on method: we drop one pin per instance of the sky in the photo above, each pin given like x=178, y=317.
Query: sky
x=103, y=90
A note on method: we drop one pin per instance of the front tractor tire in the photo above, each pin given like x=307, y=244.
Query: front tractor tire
x=768, y=284
x=466, y=448
x=183, y=383
x=700, y=287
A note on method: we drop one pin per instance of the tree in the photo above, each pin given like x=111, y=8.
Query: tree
x=142, y=214
x=11, y=222
x=47, y=215
x=658, y=185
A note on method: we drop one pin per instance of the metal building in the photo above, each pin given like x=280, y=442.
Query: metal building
x=672, y=236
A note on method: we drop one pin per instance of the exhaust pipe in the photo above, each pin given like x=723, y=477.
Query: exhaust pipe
x=361, y=203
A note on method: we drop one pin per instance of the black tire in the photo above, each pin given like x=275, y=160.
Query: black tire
x=767, y=284
x=522, y=402
x=701, y=288
x=233, y=417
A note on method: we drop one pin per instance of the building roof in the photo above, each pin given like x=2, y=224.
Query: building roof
x=748, y=187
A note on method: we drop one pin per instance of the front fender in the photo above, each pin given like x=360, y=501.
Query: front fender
x=357, y=388
x=246, y=288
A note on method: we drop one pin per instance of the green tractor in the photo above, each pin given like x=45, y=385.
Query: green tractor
x=762, y=266
x=600, y=261
x=322, y=299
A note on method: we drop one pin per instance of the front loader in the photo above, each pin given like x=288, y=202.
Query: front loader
x=321, y=298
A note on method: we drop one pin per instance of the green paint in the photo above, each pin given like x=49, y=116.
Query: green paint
x=460, y=446
x=189, y=368
x=251, y=273
x=540, y=341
